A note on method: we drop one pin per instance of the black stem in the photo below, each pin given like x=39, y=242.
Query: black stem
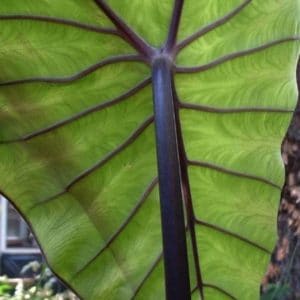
x=134, y=40
x=171, y=198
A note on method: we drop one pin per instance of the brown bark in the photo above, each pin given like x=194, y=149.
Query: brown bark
x=284, y=268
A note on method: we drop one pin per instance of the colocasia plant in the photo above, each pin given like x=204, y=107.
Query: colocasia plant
x=141, y=139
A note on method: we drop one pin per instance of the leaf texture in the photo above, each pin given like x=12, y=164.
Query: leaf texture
x=77, y=143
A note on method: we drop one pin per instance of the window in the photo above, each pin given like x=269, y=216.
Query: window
x=15, y=236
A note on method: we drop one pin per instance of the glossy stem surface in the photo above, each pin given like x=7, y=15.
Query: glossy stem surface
x=171, y=198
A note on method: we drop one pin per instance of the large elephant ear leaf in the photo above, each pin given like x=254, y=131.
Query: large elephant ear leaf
x=77, y=142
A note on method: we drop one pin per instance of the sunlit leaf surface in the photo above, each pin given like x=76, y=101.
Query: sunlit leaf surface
x=77, y=145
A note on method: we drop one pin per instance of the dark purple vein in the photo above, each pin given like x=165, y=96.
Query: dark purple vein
x=211, y=26
x=117, y=150
x=195, y=289
x=211, y=109
x=187, y=196
x=55, y=20
x=215, y=287
x=148, y=274
x=191, y=227
x=83, y=113
x=231, y=172
x=235, y=235
x=137, y=207
x=79, y=75
x=173, y=29
x=102, y=161
x=138, y=43
x=234, y=55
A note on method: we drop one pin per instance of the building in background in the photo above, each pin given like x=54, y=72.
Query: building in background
x=17, y=244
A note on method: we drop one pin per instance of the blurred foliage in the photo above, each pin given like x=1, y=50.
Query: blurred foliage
x=43, y=285
x=276, y=292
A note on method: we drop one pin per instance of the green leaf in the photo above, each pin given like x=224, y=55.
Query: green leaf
x=77, y=143
x=5, y=289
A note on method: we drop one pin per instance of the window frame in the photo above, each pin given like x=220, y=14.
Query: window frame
x=3, y=233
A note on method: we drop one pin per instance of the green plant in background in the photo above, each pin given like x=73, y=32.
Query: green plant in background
x=5, y=288
x=79, y=132
x=276, y=292
x=41, y=286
